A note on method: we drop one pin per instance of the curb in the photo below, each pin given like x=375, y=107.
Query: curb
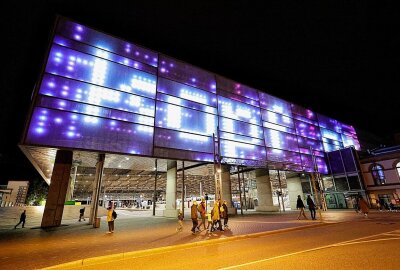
x=146, y=252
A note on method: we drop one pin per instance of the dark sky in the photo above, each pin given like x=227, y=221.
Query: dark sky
x=338, y=58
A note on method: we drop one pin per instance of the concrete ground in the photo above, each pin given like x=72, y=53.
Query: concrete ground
x=32, y=247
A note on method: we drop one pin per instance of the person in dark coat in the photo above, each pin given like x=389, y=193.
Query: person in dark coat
x=224, y=214
x=22, y=219
x=363, y=206
x=300, y=206
x=311, y=206
x=81, y=214
x=193, y=215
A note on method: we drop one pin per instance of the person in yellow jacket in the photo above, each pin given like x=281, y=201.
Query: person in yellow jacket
x=110, y=219
x=215, y=213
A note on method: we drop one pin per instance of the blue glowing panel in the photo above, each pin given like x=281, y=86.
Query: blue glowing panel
x=307, y=130
x=237, y=88
x=351, y=141
x=239, y=111
x=330, y=147
x=185, y=73
x=309, y=165
x=278, y=119
x=330, y=141
x=186, y=92
x=281, y=140
x=100, y=40
x=182, y=140
x=347, y=129
x=304, y=114
x=183, y=119
x=65, y=42
x=73, y=130
x=275, y=104
x=237, y=98
x=65, y=88
x=240, y=138
x=278, y=155
x=329, y=123
x=180, y=154
x=67, y=105
x=268, y=125
x=79, y=66
x=186, y=103
x=329, y=134
x=231, y=149
x=241, y=128
x=306, y=143
x=336, y=162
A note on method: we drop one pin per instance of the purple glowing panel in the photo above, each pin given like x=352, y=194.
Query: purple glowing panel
x=307, y=130
x=186, y=92
x=79, y=66
x=238, y=98
x=349, y=160
x=347, y=129
x=182, y=140
x=183, y=119
x=268, y=125
x=281, y=140
x=336, y=162
x=351, y=141
x=71, y=106
x=182, y=155
x=65, y=88
x=237, y=88
x=306, y=143
x=329, y=134
x=239, y=111
x=240, y=138
x=77, y=131
x=307, y=115
x=330, y=141
x=100, y=40
x=275, y=104
x=231, y=149
x=329, y=123
x=278, y=155
x=103, y=54
x=330, y=147
x=186, y=103
x=309, y=166
x=185, y=73
x=241, y=128
x=276, y=118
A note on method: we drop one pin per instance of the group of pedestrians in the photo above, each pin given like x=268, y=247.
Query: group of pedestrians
x=311, y=206
x=213, y=217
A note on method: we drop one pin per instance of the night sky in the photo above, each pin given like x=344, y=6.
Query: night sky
x=338, y=58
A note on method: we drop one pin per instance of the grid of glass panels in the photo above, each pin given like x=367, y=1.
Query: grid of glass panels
x=98, y=92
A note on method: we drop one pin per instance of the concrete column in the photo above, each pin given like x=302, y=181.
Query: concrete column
x=98, y=177
x=71, y=186
x=294, y=188
x=170, y=193
x=226, y=189
x=54, y=208
x=264, y=192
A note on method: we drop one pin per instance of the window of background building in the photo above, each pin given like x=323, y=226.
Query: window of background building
x=398, y=168
x=378, y=174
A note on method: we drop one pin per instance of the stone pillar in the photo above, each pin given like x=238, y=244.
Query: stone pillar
x=54, y=208
x=264, y=192
x=96, y=189
x=294, y=188
x=226, y=189
x=170, y=193
x=71, y=186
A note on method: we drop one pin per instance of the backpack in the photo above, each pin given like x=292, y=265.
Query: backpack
x=114, y=214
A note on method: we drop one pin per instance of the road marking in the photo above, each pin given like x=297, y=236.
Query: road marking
x=277, y=222
x=345, y=243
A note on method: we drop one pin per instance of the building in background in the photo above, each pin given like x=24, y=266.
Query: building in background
x=381, y=172
x=14, y=194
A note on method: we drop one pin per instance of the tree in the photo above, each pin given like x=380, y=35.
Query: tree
x=37, y=192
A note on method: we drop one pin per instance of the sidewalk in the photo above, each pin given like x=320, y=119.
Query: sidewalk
x=36, y=248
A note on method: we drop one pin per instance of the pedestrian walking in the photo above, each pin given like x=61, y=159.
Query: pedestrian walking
x=363, y=206
x=22, y=219
x=193, y=215
x=224, y=214
x=311, y=207
x=216, y=217
x=180, y=221
x=110, y=219
x=209, y=220
x=202, y=211
x=82, y=214
x=300, y=206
